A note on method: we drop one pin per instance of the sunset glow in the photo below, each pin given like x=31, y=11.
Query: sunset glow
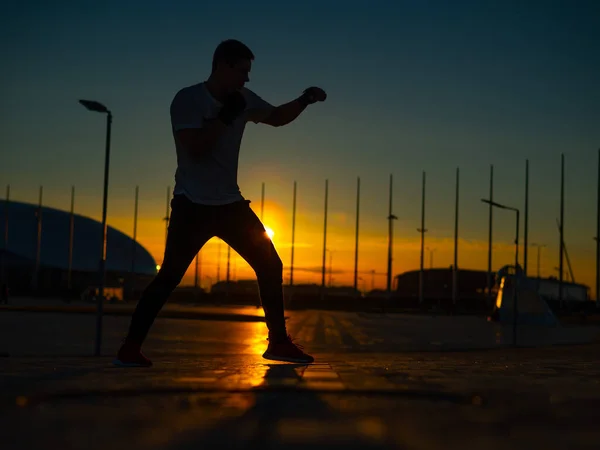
x=480, y=119
x=269, y=232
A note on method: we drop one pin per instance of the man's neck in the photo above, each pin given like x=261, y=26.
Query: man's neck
x=215, y=89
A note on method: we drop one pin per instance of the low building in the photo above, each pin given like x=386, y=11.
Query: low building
x=437, y=283
x=35, y=258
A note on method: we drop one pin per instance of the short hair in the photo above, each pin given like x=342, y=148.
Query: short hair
x=231, y=51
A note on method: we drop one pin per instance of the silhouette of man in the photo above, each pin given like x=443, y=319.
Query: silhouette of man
x=208, y=121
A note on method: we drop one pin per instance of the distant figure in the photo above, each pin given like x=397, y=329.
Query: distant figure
x=208, y=121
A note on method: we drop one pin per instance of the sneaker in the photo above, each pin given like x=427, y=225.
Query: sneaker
x=130, y=355
x=288, y=351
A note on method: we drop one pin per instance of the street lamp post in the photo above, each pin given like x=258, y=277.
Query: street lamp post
x=515, y=289
x=99, y=107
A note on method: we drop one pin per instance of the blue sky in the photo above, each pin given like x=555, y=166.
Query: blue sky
x=412, y=85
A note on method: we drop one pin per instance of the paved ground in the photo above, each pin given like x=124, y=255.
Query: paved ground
x=171, y=310
x=411, y=382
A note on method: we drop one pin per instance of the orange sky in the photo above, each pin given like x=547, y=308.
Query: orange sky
x=451, y=104
x=340, y=238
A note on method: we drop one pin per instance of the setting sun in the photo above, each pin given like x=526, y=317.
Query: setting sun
x=269, y=232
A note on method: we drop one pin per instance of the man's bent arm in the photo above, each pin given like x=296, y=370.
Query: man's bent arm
x=198, y=141
x=286, y=113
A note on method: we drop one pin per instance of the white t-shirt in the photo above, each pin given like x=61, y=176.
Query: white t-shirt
x=211, y=178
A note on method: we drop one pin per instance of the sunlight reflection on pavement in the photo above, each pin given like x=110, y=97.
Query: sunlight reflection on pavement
x=211, y=386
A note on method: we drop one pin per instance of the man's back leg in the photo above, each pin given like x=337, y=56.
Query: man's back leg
x=187, y=234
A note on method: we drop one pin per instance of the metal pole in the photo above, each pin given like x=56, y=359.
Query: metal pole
x=134, y=240
x=391, y=218
x=566, y=253
x=516, y=283
x=38, y=251
x=293, y=236
x=324, y=241
x=102, y=268
x=196, y=270
x=598, y=238
x=455, y=265
x=489, y=274
x=132, y=277
x=167, y=215
x=228, y=267
x=228, y=262
x=562, y=229
x=539, y=251
x=356, y=236
x=71, y=229
x=219, y=261
x=5, y=247
x=262, y=202
x=422, y=230
x=517, y=242
x=330, y=266
x=526, y=227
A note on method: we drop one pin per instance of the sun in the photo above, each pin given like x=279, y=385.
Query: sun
x=269, y=232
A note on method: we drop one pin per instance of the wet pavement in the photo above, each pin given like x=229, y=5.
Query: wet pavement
x=412, y=382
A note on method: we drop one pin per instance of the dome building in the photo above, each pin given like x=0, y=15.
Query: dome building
x=36, y=252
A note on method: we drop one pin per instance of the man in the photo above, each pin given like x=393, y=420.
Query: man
x=208, y=121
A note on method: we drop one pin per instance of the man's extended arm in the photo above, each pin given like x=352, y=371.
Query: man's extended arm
x=288, y=112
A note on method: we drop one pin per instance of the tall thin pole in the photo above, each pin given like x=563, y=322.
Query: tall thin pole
x=293, y=236
x=330, y=266
x=598, y=238
x=455, y=265
x=538, y=260
x=71, y=229
x=422, y=230
x=356, y=237
x=38, y=250
x=489, y=274
x=539, y=250
x=324, y=240
x=197, y=270
x=562, y=229
x=5, y=247
x=132, y=277
x=167, y=212
x=219, y=261
x=100, y=299
x=526, y=227
x=135, y=220
x=262, y=202
x=516, y=283
x=228, y=263
x=391, y=218
x=227, y=287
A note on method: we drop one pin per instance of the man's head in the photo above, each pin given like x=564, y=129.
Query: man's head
x=232, y=62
